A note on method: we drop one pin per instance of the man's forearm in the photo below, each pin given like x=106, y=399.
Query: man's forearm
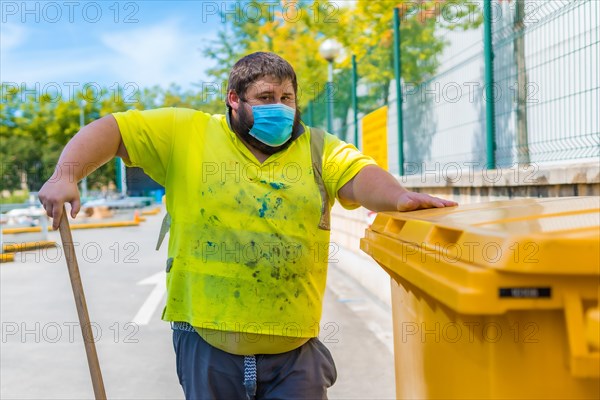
x=376, y=189
x=93, y=146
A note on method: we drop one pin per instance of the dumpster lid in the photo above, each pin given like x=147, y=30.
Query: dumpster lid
x=551, y=235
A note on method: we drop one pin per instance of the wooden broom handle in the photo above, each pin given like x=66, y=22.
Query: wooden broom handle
x=82, y=312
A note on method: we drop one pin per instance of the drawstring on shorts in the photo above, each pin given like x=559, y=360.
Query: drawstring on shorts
x=250, y=376
x=249, y=363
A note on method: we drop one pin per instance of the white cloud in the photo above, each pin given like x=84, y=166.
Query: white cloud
x=46, y=67
x=158, y=54
x=12, y=36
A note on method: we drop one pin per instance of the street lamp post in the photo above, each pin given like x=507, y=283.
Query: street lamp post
x=84, y=191
x=329, y=50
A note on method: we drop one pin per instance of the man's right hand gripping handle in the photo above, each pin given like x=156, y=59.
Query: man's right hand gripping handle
x=56, y=192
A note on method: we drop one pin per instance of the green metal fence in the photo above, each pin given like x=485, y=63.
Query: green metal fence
x=530, y=96
x=547, y=55
x=522, y=88
x=352, y=98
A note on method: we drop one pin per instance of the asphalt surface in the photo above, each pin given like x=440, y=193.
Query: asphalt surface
x=42, y=355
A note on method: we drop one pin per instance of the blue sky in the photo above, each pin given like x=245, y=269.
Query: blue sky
x=107, y=42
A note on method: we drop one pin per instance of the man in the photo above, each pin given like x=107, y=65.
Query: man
x=249, y=234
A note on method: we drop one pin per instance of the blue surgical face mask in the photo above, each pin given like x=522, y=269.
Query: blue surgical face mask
x=273, y=123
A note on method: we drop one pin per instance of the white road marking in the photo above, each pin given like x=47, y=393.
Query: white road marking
x=152, y=302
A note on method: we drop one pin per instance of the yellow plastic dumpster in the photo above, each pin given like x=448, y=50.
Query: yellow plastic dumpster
x=496, y=300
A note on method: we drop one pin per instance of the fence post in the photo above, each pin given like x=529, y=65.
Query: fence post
x=522, y=85
x=398, y=77
x=490, y=111
x=355, y=99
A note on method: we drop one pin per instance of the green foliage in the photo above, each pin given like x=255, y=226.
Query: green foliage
x=294, y=36
x=35, y=128
x=363, y=27
x=15, y=198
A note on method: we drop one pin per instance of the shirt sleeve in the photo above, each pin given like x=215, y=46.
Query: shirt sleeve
x=148, y=137
x=341, y=162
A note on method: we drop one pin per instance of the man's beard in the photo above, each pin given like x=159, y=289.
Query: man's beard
x=241, y=126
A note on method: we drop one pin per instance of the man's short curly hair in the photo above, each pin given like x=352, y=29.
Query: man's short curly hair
x=255, y=66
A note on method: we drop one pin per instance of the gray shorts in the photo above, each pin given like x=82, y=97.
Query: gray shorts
x=206, y=372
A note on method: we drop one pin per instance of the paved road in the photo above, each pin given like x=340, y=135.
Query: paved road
x=42, y=354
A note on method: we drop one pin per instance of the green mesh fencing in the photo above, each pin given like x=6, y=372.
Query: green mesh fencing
x=547, y=58
x=546, y=91
x=369, y=98
x=545, y=80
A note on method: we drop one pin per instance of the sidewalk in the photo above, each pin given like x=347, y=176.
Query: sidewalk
x=364, y=351
x=42, y=355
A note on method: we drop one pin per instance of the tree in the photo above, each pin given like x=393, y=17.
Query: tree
x=364, y=28
x=35, y=128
